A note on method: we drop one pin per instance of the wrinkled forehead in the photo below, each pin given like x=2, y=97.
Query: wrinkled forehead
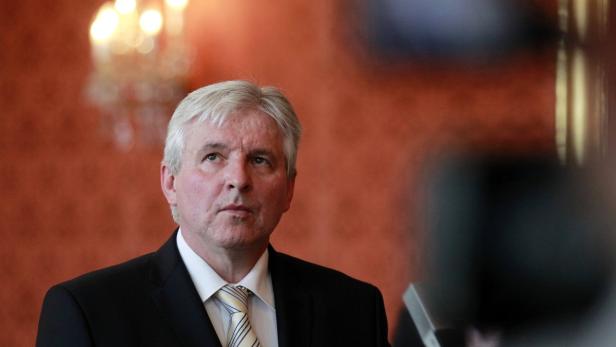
x=219, y=114
x=238, y=126
x=244, y=116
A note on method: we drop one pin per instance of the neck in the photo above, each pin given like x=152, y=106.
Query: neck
x=231, y=264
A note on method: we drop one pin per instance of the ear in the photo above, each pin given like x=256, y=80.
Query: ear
x=290, y=190
x=167, y=183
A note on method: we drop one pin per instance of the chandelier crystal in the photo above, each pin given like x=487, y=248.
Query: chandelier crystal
x=140, y=67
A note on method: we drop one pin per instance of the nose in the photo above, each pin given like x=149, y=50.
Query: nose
x=237, y=176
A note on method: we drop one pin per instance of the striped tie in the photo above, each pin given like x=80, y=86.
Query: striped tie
x=240, y=332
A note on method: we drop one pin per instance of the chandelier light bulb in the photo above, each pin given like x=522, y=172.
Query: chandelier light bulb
x=125, y=6
x=151, y=21
x=105, y=24
x=177, y=4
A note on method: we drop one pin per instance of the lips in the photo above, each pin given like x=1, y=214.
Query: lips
x=236, y=209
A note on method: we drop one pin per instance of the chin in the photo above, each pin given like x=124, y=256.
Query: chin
x=241, y=244
x=234, y=235
x=242, y=240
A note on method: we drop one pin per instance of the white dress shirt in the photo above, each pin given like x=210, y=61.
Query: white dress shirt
x=261, y=308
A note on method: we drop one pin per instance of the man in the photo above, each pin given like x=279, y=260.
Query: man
x=228, y=174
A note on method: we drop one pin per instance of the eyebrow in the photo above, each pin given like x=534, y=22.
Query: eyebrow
x=212, y=145
x=260, y=151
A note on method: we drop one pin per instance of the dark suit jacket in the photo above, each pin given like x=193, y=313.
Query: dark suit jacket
x=151, y=301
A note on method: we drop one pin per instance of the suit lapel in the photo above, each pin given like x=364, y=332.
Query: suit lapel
x=293, y=304
x=175, y=295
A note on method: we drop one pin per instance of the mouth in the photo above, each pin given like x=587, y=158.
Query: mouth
x=237, y=210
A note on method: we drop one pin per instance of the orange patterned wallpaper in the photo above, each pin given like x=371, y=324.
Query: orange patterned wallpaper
x=73, y=202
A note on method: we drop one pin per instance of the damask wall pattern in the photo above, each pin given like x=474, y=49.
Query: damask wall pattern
x=73, y=202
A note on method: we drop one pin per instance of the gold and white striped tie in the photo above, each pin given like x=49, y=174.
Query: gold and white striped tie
x=240, y=332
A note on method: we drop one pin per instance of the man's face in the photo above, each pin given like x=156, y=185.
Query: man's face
x=232, y=187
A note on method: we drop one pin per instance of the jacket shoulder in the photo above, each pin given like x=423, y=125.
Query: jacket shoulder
x=330, y=293
x=97, y=306
x=116, y=277
x=316, y=276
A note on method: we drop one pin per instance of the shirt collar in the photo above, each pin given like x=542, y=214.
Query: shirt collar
x=208, y=282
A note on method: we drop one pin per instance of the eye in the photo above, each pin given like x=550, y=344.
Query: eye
x=211, y=157
x=260, y=160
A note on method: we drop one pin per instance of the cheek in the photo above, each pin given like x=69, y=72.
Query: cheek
x=278, y=194
x=196, y=192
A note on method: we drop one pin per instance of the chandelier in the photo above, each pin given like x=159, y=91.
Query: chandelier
x=140, y=68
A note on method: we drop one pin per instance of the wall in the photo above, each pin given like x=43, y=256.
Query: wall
x=73, y=202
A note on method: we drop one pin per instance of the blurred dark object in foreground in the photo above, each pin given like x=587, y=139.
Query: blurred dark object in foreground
x=515, y=241
x=454, y=30
x=515, y=244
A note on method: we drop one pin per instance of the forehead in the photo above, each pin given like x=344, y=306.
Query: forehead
x=241, y=127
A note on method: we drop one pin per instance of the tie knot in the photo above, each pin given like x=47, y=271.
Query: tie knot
x=234, y=298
